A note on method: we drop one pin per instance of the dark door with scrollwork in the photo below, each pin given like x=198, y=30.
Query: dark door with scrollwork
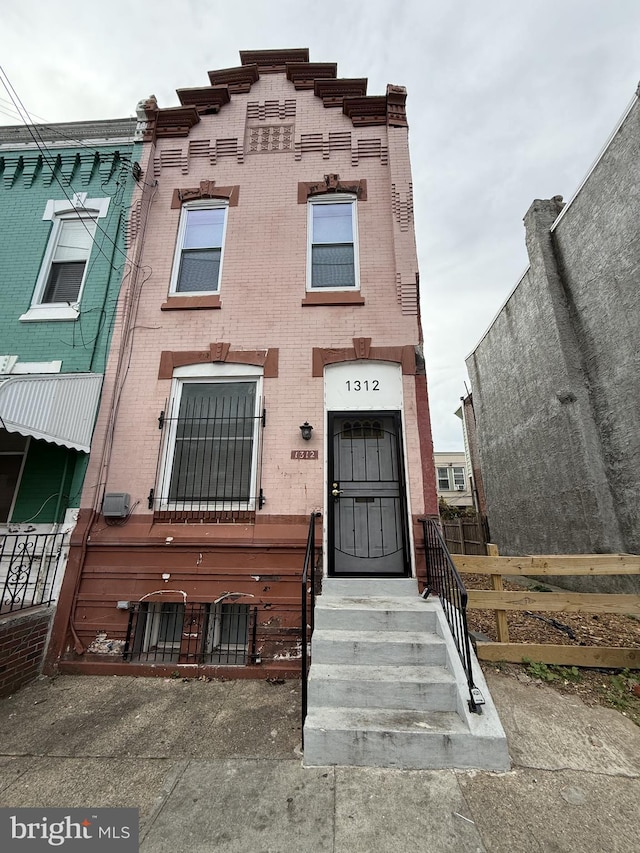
x=367, y=508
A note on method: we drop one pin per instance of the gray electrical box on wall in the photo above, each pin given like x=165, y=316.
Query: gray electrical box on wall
x=116, y=505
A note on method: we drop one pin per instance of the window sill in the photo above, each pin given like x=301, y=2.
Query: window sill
x=333, y=297
x=180, y=303
x=44, y=313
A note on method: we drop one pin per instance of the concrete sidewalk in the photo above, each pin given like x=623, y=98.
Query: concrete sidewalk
x=215, y=766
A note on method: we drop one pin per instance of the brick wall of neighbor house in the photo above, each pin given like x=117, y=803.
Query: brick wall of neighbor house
x=263, y=136
x=555, y=376
x=23, y=638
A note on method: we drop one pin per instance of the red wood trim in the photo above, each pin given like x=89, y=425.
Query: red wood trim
x=216, y=353
x=405, y=356
x=331, y=184
x=205, y=190
x=177, y=303
x=333, y=297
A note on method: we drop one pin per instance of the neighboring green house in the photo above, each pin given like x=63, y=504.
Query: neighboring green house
x=65, y=193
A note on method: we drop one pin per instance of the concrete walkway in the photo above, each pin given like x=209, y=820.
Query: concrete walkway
x=215, y=766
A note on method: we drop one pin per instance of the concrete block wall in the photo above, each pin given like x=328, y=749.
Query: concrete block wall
x=555, y=375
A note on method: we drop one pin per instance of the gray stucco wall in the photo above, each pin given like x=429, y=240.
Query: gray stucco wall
x=556, y=379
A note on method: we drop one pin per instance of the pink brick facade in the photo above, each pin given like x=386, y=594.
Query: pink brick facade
x=272, y=136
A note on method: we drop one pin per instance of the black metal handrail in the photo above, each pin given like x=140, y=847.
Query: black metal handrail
x=444, y=580
x=29, y=564
x=307, y=602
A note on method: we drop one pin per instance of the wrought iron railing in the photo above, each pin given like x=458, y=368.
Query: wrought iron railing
x=307, y=610
x=29, y=566
x=221, y=633
x=444, y=580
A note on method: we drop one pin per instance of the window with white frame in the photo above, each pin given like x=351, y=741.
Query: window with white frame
x=332, y=262
x=451, y=479
x=211, y=445
x=228, y=631
x=65, y=265
x=163, y=628
x=13, y=451
x=197, y=263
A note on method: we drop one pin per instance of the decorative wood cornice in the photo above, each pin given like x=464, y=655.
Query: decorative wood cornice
x=366, y=112
x=238, y=80
x=206, y=99
x=396, y=106
x=362, y=349
x=333, y=92
x=219, y=352
x=206, y=189
x=175, y=121
x=303, y=75
x=331, y=184
x=273, y=61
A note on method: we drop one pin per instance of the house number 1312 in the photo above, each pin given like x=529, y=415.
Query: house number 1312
x=365, y=385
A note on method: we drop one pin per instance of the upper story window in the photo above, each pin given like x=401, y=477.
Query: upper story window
x=333, y=246
x=65, y=265
x=451, y=479
x=197, y=264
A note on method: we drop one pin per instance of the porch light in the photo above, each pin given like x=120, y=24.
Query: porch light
x=306, y=429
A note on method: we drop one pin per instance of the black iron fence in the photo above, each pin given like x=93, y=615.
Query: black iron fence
x=29, y=566
x=444, y=580
x=220, y=633
x=307, y=610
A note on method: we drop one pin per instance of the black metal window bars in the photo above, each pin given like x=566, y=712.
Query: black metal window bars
x=222, y=634
x=211, y=454
x=444, y=580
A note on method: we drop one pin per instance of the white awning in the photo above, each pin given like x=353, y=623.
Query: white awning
x=60, y=408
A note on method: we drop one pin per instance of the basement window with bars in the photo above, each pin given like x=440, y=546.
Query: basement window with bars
x=167, y=632
x=210, y=458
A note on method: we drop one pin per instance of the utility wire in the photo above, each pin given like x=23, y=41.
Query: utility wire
x=39, y=143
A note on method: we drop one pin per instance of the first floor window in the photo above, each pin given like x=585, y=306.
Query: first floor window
x=211, y=446
x=332, y=252
x=13, y=448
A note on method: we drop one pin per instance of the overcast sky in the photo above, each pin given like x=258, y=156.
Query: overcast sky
x=508, y=100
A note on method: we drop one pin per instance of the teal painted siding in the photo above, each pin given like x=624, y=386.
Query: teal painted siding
x=52, y=477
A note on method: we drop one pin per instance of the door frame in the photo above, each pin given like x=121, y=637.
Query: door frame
x=396, y=414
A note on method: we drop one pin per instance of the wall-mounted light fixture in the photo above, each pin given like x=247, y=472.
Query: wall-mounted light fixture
x=306, y=429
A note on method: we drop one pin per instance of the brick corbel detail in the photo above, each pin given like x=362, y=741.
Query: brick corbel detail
x=219, y=352
x=331, y=184
x=207, y=189
x=362, y=349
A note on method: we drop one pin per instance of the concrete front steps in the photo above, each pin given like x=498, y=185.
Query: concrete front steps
x=386, y=686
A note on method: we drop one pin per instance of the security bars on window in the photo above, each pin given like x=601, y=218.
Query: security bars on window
x=210, y=454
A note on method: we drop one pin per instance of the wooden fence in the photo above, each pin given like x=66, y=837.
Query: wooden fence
x=501, y=600
x=465, y=535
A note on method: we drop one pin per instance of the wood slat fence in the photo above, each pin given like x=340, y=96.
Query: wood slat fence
x=466, y=535
x=502, y=600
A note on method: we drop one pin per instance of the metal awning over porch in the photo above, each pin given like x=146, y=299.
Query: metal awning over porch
x=59, y=408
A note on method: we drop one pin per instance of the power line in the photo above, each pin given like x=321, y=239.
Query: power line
x=39, y=143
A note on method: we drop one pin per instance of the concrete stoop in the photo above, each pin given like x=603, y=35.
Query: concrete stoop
x=386, y=686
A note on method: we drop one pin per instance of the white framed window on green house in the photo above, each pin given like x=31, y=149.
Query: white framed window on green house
x=63, y=272
x=332, y=249
x=197, y=264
